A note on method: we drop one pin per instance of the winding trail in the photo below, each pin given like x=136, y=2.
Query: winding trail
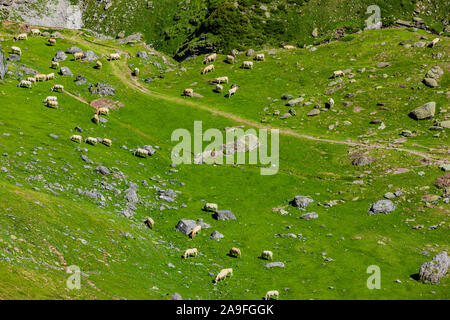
x=130, y=81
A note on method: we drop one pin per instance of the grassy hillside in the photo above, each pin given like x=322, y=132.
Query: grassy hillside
x=196, y=27
x=47, y=222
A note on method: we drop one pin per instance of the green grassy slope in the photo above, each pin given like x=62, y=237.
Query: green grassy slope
x=184, y=26
x=42, y=229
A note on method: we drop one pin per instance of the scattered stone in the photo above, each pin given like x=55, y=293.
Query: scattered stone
x=382, y=206
x=313, y=112
x=362, y=161
x=274, y=265
x=435, y=270
x=430, y=82
x=176, y=296
x=301, y=201
x=186, y=226
x=224, y=215
x=90, y=56
x=383, y=64
x=142, y=55
x=103, y=170
x=79, y=80
x=13, y=57
x=216, y=235
x=102, y=89
x=443, y=181
x=65, y=71
x=425, y=111
x=60, y=56
x=309, y=216
x=3, y=65
x=72, y=50
x=294, y=102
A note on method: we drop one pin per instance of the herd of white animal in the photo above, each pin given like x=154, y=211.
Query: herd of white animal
x=189, y=92
x=52, y=102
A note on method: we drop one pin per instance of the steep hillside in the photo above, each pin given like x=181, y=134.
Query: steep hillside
x=190, y=27
x=66, y=203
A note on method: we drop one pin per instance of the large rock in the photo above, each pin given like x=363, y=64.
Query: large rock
x=314, y=112
x=435, y=270
x=443, y=181
x=216, y=235
x=224, y=215
x=131, y=196
x=103, y=170
x=309, y=216
x=250, y=53
x=383, y=64
x=430, y=82
x=142, y=55
x=294, y=102
x=27, y=70
x=3, y=65
x=79, y=80
x=136, y=37
x=60, y=56
x=274, y=265
x=382, y=206
x=72, y=50
x=445, y=124
x=90, y=56
x=301, y=201
x=13, y=57
x=176, y=296
x=424, y=112
x=185, y=226
x=65, y=71
x=102, y=89
x=362, y=161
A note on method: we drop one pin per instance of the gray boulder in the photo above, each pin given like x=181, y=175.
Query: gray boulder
x=382, y=206
x=131, y=38
x=216, y=235
x=103, y=170
x=309, y=216
x=424, y=112
x=224, y=215
x=90, y=56
x=362, y=161
x=131, y=195
x=72, y=50
x=301, y=201
x=435, y=270
x=65, y=71
x=142, y=54
x=79, y=80
x=13, y=57
x=185, y=226
x=294, y=102
x=3, y=65
x=274, y=265
x=287, y=97
x=102, y=89
x=60, y=56
x=176, y=296
x=27, y=70
x=430, y=82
